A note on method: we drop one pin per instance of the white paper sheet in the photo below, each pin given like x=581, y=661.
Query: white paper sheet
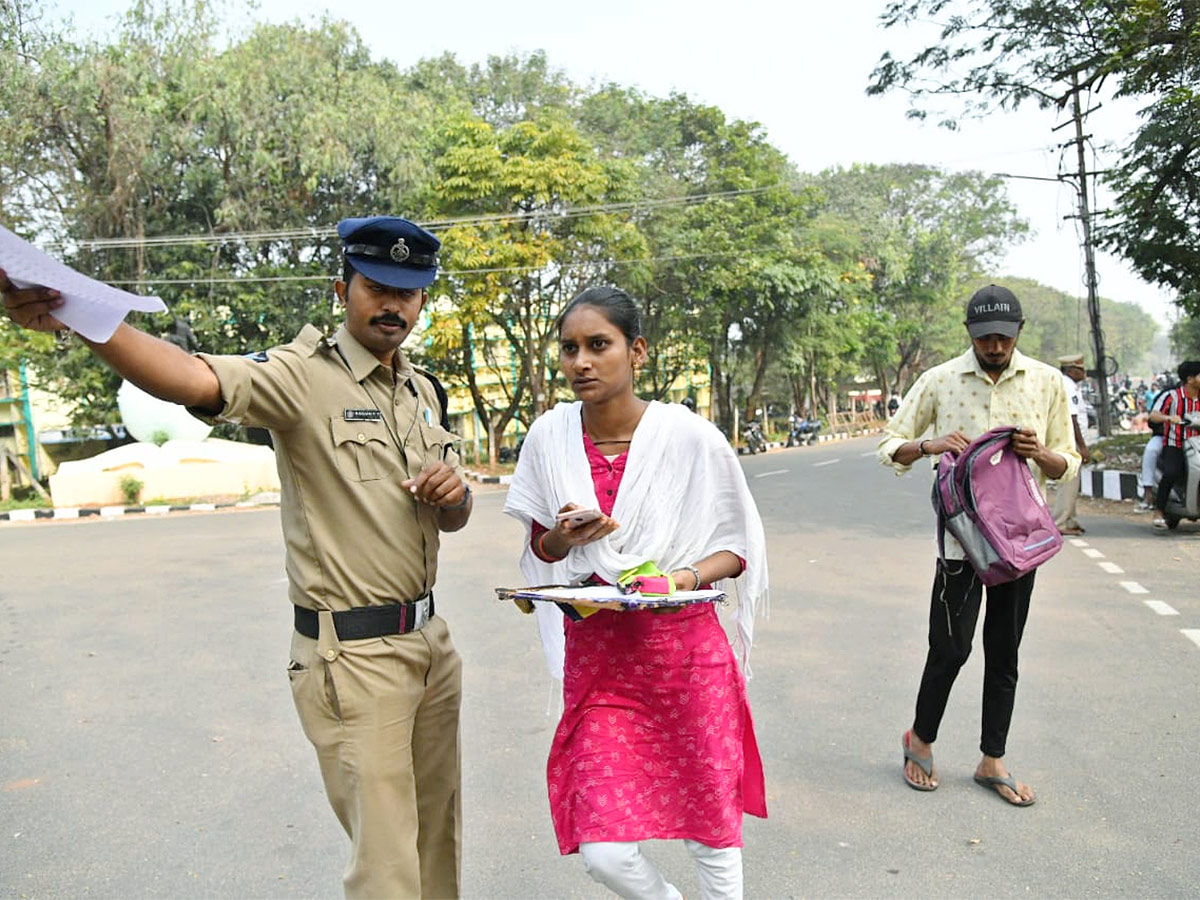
x=92, y=308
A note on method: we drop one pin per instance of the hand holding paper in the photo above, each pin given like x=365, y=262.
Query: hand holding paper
x=89, y=307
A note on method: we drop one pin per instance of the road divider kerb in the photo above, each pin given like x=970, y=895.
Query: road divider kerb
x=111, y=512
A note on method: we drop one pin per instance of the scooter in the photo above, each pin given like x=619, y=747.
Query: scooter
x=803, y=431
x=755, y=442
x=1184, y=502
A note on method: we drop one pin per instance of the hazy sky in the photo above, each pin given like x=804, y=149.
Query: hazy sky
x=800, y=71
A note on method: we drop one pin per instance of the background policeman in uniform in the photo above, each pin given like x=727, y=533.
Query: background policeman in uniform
x=1067, y=494
x=369, y=478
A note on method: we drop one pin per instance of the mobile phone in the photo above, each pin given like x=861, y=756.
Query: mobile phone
x=578, y=516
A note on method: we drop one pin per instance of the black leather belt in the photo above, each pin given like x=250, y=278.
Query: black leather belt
x=368, y=621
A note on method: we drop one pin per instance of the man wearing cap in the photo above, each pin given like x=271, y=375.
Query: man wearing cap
x=370, y=477
x=990, y=385
x=1067, y=495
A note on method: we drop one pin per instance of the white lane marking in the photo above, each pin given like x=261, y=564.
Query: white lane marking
x=1093, y=553
x=769, y=474
x=1163, y=609
x=1192, y=634
x=828, y=462
x=1111, y=568
x=869, y=453
x=1078, y=542
x=1133, y=587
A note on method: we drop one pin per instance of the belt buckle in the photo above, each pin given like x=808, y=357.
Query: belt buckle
x=421, y=615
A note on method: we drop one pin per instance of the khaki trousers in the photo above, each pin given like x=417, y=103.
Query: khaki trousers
x=382, y=714
x=1066, y=496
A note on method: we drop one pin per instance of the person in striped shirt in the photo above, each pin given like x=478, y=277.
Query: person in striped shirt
x=1171, y=412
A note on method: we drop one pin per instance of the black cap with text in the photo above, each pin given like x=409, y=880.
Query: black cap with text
x=994, y=310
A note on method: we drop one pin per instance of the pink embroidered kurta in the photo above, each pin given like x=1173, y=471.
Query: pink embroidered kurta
x=656, y=738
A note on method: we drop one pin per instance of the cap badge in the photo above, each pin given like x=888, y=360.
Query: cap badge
x=399, y=252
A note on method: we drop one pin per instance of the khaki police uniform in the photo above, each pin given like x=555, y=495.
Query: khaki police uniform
x=382, y=712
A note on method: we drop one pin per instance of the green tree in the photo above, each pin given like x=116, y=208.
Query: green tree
x=514, y=258
x=1003, y=53
x=732, y=266
x=1057, y=324
x=921, y=235
x=160, y=133
x=1185, y=338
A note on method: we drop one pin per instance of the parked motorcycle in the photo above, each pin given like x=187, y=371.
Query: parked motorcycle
x=803, y=431
x=755, y=441
x=1123, y=406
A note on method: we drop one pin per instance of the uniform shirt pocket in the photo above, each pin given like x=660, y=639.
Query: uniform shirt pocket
x=363, y=450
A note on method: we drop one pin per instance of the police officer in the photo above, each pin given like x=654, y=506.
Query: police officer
x=370, y=477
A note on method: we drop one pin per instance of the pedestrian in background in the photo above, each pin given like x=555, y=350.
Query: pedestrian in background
x=990, y=385
x=1148, y=478
x=1066, y=496
x=656, y=739
x=370, y=477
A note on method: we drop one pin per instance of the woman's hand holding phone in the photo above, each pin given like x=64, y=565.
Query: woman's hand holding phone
x=574, y=525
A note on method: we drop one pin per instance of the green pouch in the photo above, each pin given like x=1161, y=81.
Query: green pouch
x=647, y=579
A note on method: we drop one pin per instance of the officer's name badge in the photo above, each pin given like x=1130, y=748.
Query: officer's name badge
x=362, y=415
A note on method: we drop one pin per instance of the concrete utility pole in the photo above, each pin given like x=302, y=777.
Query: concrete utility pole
x=1104, y=416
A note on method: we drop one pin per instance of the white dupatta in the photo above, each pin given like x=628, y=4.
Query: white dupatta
x=683, y=497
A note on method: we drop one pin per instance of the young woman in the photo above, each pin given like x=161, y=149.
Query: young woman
x=656, y=739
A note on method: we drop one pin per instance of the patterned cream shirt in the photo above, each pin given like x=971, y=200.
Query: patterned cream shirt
x=959, y=396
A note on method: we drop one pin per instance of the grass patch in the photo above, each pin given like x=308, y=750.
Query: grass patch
x=33, y=502
x=1120, y=451
x=483, y=468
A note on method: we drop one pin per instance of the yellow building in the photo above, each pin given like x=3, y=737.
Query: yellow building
x=18, y=434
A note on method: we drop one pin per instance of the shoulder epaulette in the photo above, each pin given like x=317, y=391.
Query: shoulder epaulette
x=309, y=339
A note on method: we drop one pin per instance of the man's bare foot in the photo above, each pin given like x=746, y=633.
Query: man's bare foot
x=918, y=763
x=992, y=773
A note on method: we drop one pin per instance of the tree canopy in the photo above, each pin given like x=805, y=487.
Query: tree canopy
x=211, y=171
x=1004, y=53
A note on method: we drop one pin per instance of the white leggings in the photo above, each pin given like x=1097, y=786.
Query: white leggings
x=624, y=870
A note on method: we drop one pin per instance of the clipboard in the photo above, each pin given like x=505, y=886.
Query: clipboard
x=603, y=596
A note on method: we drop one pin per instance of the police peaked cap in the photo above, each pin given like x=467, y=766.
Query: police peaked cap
x=390, y=250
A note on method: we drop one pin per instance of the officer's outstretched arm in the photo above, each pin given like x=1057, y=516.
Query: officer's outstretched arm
x=156, y=366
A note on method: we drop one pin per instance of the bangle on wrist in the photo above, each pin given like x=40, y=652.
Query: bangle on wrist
x=695, y=574
x=921, y=447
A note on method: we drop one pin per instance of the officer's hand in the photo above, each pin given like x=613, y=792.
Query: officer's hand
x=574, y=535
x=32, y=307
x=437, y=485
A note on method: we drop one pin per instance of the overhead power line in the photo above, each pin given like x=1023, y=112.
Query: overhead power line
x=254, y=279
x=322, y=233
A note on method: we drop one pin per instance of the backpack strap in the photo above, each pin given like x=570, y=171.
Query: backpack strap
x=443, y=399
x=939, y=510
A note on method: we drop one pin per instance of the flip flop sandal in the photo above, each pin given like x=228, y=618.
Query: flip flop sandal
x=925, y=762
x=993, y=782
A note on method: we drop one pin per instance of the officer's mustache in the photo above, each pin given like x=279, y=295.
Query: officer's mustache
x=389, y=319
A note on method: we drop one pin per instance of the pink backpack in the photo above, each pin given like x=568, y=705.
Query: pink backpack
x=989, y=500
